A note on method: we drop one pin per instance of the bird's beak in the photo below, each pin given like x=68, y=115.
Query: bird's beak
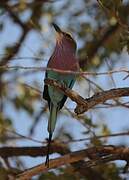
x=59, y=33
x=57, y=29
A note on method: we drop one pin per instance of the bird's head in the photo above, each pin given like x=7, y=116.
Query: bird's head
x=64, y=39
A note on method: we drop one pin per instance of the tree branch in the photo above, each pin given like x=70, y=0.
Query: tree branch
x=101, y=97
x=70, y=93
x=84, y=105
x=6, y=152
x=26, y=27
x=95, y=155
x=62, y=149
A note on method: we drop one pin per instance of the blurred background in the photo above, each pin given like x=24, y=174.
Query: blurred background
x=27, y=40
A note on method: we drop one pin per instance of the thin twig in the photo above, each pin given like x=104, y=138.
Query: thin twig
x=99, y=137
x=23, y=136
x=39, y=68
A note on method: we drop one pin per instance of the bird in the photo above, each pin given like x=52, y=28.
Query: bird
x=63, y=58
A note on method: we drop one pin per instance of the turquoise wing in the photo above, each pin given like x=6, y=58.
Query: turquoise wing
x=57, y=97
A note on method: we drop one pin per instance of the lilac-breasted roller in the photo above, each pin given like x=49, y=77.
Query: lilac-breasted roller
x=63, y=58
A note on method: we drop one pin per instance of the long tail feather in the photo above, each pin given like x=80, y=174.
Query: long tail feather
x=51, y=127
x=48, y=150
x=53, y=118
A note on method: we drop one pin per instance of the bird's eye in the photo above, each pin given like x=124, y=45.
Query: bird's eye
x=68, y=35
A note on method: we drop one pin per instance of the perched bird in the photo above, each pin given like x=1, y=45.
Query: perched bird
x=63, y=58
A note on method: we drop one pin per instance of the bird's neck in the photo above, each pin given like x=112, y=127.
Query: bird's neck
x=64, y=58
x=65, y=48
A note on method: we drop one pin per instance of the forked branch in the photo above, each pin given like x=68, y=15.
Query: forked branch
x=84, y=105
